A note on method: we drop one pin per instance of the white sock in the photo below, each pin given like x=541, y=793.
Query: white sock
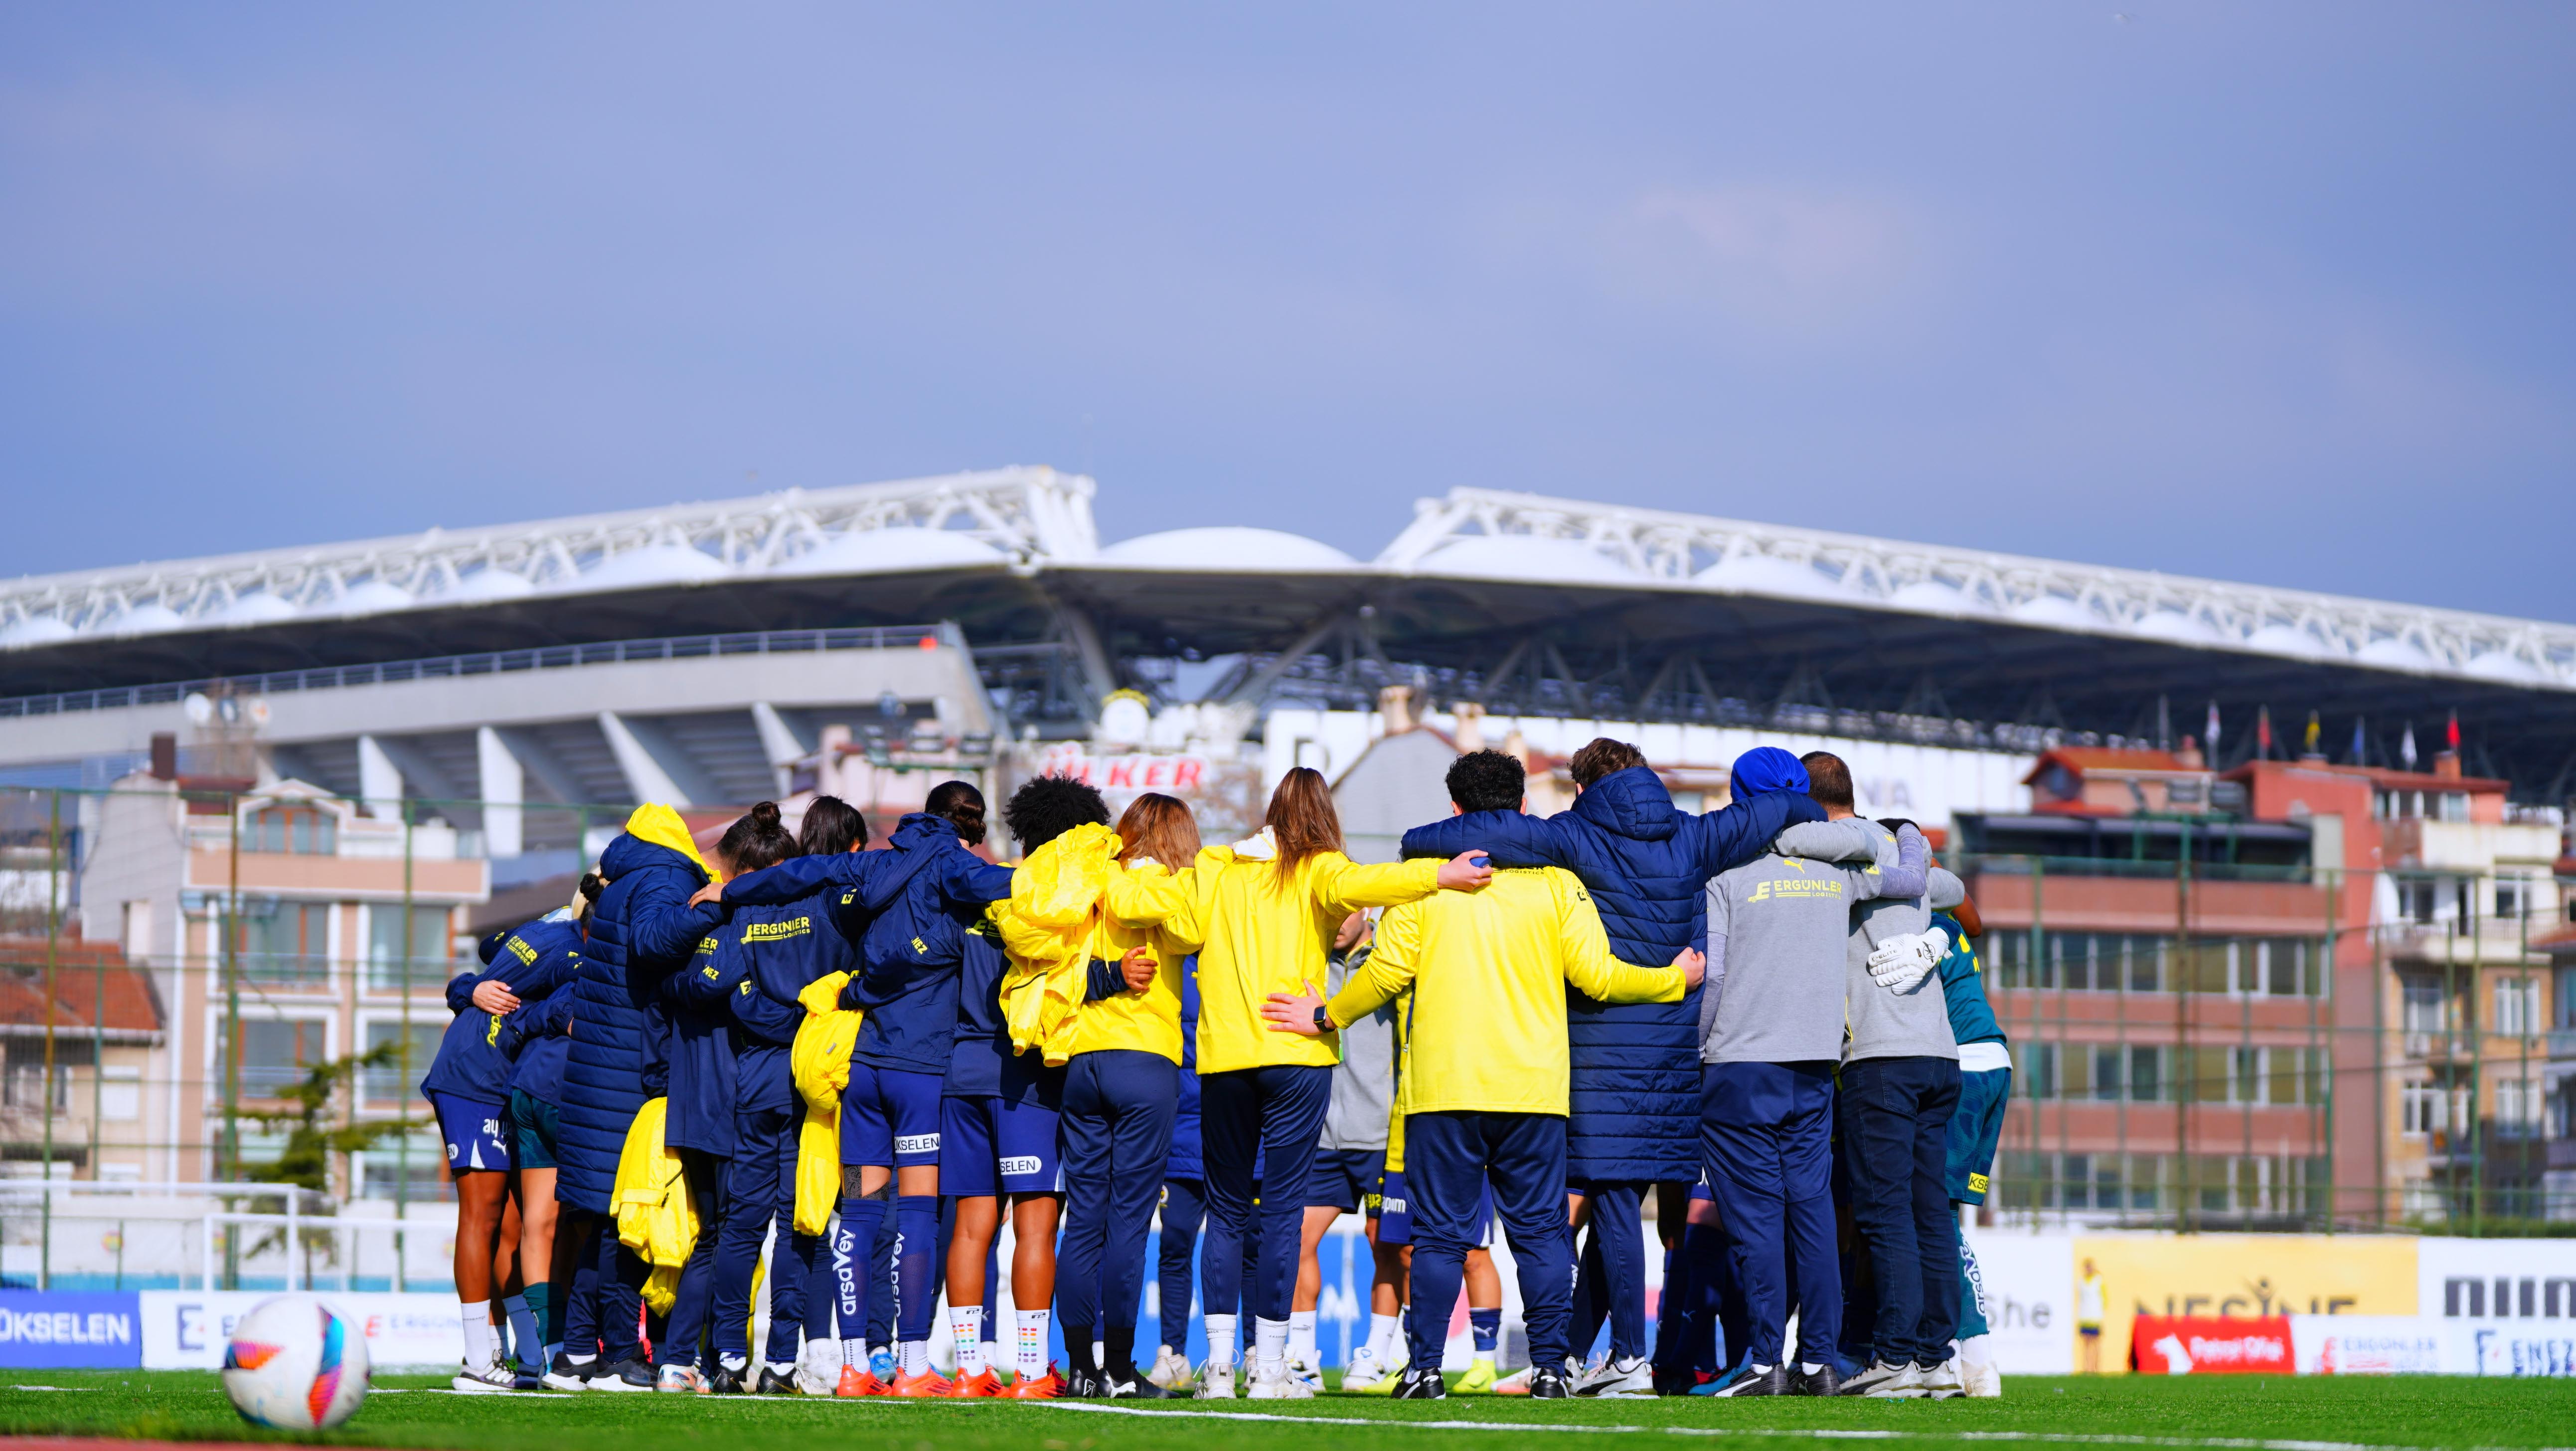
x=1100, y=1353
x=479, y=1350
x=1033, y=1342
x=1301, y=1337
x=573, y=1359
x=1978, y=1350
x=916, y=1356
x=1809, y=1366
x=854, y=1351
x=1269, y=1347
x=1386, y=1333
x=967, y=1328
x=1221, y=1340
x=523, y=1329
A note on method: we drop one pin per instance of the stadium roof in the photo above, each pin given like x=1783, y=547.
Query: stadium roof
x=1555, y=604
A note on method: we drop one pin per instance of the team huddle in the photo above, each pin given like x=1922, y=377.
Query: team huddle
x=1767, y=1018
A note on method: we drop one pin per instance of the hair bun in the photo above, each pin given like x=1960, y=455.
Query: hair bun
x=592, y=884
x=765, y=813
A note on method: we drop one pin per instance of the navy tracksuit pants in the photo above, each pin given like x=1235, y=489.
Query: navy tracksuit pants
x=1766, y=1132
x=1184, y=1210
x=1613, y=1279
x=1449, y=1159
x=1894, y=1114
x=766, y=1155
x=1267, y=1122
x=607, y=1298
x=1116, y=1134
x=693, y=1309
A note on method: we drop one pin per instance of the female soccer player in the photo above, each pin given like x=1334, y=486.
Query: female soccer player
x=1265, y=910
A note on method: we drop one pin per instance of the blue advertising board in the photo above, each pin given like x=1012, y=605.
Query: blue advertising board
x=69, y=1331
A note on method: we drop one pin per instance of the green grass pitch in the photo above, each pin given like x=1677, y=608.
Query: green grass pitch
x=2263, y=1413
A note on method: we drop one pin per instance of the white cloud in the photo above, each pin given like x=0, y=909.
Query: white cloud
x=1783, y=260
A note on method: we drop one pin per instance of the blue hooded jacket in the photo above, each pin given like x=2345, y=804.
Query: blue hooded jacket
x=1634, y=1080
x=538, y=961
x=764, y=957
x=905, y=908
x=702, y=1051
x=641, y=931
x=478, y=1057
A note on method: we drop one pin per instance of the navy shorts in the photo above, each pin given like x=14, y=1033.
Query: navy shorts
x=1395, y=1216
x=477, y=1133
x=537, y=1123
x=1346, y=1179
x=991, y=1145
x=1976, y=1126
x=890, y=1118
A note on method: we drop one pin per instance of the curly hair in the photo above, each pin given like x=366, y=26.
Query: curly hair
x=1046, y=807
x=1487, y=781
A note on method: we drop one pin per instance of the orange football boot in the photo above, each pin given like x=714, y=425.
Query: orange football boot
x=983, y=1384
x=1038, y=1388
x=929, y=1384
x=855, y=1381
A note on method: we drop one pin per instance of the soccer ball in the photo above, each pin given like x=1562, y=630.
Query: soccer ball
x=296, y=1364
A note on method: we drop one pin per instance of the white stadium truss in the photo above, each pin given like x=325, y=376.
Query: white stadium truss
x=1032, y=519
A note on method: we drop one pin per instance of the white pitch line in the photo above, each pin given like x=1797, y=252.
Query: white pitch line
x=1810, y=1433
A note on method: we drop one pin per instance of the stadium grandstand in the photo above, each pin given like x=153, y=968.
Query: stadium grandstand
x=732, y=623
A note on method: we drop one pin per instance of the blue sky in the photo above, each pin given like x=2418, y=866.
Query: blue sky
x=2283, y=293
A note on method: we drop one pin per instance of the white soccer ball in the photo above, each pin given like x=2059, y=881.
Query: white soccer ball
x=296, y=1364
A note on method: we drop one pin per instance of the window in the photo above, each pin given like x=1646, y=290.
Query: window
x=2509, y=898
x=2424, y=1007
x=120, y=1094
x=2517, y=1108
x=2146, y=1074
x=286, y=942
x=2455, y=806
x=2415, y=901
x=2420, y=1109
x=299, y=830
x=425, y=963
x=391, y=1082
x=275, y=1052
x=23, y=1086
x=2517, y=1006
x=2463, y=898
x=2567, y=999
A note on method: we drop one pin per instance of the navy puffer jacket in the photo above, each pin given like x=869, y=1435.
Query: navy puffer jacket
x=641, y=931
x=1634, y=1101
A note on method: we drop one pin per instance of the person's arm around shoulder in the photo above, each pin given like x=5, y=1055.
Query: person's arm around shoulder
x=1386, y=972
x=1342, y=886
x=1848, y=840
x=1583, y=949
x=1511, y=838
x=1907, y=878
x=775, y=886
x=1742, y=830
x=665, y=922
x=1943, y=891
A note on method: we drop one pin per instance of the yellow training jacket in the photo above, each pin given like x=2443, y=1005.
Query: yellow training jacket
x=1144, y=906
x=650, y=1197
x=1259, y=935
x=1046, y=926
x=820, y=1063
x=1488, y=971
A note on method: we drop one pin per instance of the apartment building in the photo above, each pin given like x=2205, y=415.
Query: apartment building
x=2290, y=991
x=281, y=927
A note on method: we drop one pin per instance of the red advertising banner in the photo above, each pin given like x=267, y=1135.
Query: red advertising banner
x=2204, y=1345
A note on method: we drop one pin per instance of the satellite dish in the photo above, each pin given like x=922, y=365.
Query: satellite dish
x=201, y=711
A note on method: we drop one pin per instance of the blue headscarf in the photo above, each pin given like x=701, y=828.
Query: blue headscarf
x=1765, y=769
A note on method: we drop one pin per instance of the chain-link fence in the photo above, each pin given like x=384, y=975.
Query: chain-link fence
x=204, y=985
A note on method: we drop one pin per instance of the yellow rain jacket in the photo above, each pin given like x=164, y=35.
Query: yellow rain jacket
x=1259, y=935
x=820, y=1064
x=1142, y=906
x=1046, y=926
x=650, y=1197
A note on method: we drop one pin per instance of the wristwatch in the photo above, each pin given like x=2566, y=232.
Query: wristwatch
x=1323, y=1018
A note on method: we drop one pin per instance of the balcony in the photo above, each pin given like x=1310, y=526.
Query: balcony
x=2467, y=846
